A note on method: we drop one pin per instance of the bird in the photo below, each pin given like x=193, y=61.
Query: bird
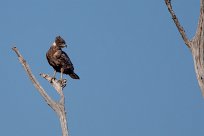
x=59, y=60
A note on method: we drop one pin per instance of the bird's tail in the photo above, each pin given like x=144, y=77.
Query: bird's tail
x=74, y=75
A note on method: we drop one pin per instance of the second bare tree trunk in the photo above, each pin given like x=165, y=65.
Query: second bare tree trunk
x=196, y=45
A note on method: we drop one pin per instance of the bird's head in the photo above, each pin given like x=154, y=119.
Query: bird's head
x=59, y=42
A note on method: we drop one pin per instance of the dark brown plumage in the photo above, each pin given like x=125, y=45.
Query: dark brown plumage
x=59, y=60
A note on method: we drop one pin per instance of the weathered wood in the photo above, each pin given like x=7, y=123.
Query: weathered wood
x=58, y=107
x=57, y=84
x=176, y=21
x=196, y=45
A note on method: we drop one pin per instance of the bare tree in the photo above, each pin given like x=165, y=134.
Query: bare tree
x=196, y=44
x=58, y=107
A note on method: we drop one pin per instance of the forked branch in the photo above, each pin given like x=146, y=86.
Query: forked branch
x=58, y=107
x=196, y=44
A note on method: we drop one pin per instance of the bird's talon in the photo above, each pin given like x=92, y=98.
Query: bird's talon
x=62, y=82
x=53, y=78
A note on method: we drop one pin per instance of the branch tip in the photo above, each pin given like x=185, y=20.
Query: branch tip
x=14, y=48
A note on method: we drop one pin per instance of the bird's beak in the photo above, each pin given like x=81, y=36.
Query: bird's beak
x=63, y=45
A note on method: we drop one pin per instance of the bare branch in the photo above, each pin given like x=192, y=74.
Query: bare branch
x=176, y=21
x=58, y=107
x=57, y=84
x=196, y=44
x=32, y=77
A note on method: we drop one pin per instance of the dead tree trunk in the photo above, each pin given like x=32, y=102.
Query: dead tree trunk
x=58, y=107
x=196, y=44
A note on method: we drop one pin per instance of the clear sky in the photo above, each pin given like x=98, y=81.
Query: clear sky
x=137, y=76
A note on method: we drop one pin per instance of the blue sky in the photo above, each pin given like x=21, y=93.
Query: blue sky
x=137, y=76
